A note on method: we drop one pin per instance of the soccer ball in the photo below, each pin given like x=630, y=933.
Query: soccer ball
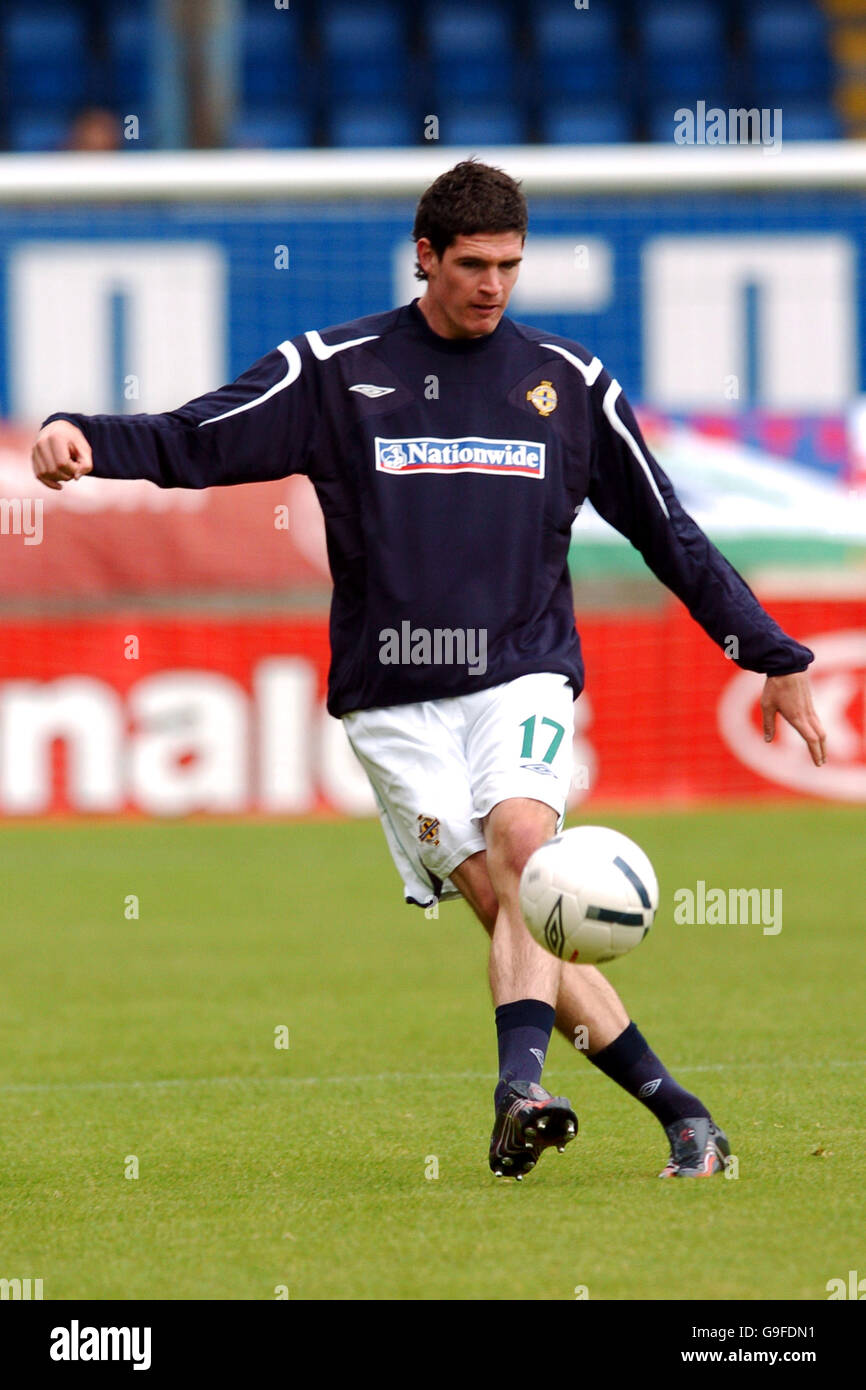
x=589, y=894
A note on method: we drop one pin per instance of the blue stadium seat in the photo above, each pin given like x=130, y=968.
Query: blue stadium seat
x=810, y=121
x=788, y=51
x=47, y=60
x=785, y=26
x=471, y=51
x=359, y=125
x=578, y=52
x=482, y=123
x=364, y=49
x=586, y=123
x=289, y=129
x=36, y=132
x=688, y=27
x=271, y=53
x=130, y=65
x=684, y=51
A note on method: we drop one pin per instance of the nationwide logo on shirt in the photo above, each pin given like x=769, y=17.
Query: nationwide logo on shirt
x=512, y=458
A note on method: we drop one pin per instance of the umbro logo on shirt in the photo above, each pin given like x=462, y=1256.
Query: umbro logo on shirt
x=367, y=389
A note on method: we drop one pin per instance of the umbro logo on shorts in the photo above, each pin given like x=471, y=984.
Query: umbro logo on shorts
x=368, y=389
x=513, y=458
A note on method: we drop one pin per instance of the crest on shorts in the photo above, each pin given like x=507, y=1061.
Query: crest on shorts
x=428, y=830
x=544, y=398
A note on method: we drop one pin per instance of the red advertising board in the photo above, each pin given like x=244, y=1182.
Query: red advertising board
x=152, y=715
x=132, y=538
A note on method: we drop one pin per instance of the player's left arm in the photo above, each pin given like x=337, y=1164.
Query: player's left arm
x=791, y=696
x=633, y=494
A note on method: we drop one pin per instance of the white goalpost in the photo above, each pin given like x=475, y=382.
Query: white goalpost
x=250, y=175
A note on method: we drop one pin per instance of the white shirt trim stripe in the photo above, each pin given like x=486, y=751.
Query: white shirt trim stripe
x=590, y=372
x=611, y=396
x=323, y=350
x=293, y=358
x=590, y=375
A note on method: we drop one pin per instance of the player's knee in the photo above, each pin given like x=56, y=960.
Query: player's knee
x=513, y=845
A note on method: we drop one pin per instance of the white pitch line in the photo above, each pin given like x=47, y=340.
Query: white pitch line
x=178, y=1081
x=374, y=1078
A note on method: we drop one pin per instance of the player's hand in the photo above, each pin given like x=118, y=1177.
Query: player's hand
x=61, y=454
x=791, y=696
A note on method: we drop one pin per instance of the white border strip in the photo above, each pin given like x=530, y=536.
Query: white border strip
x=247, y=175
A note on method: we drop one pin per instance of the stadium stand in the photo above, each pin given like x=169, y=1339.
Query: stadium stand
x=128, y=59
x=286, y=128
x=787, y=47
x=46, y=68
x=684, y=53
x=575, y=62
x=368, y=72
x=361, y=124
x=272, y=62
x=599, y=122
x=364, y=50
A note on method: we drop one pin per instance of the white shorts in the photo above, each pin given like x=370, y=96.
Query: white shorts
x=437, y=768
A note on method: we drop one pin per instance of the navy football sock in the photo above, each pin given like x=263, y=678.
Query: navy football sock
x=629, y=1062
x=523, y=1031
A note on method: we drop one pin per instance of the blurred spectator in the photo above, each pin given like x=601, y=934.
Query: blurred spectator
x=95, y=128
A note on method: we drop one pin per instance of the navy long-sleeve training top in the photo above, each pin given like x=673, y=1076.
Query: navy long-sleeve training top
x=449, y=472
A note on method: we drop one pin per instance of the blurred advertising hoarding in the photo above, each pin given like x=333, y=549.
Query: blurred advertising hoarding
x=185, y=715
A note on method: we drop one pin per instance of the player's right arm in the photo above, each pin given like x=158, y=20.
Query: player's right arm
x=61, y=454
x=256, y=428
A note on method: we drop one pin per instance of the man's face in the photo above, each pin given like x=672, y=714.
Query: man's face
x=469, y=288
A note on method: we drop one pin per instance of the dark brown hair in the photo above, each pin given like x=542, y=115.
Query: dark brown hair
x=469, y=198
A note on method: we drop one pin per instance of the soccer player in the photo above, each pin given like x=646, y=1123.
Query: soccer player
x=450, y=449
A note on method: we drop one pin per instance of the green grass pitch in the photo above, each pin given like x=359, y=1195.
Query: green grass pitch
x=311, y=1168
